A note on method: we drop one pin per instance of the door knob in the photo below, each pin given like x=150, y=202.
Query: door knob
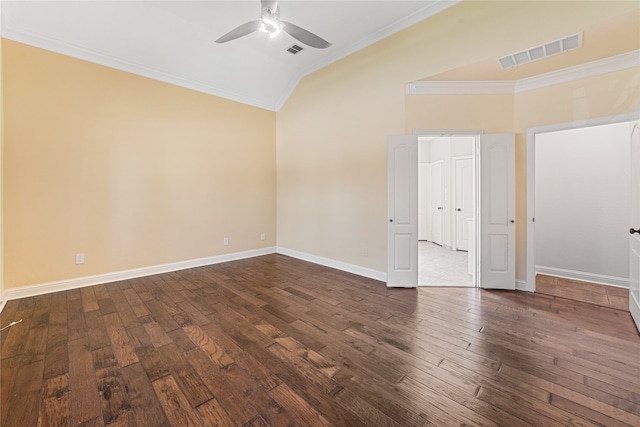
x=631, y=231
x=459, y=210
x=439, y=208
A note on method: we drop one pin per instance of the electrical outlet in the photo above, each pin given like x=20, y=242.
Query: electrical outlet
x=225, y=241
x=365, y=251
x=262, y=236
x=79, y=259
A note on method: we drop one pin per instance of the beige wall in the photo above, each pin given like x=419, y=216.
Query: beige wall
x=331, y=194
x=490, y=113
x=606, y=95
x=129, y=171
x=331, y=133
x=134, y=172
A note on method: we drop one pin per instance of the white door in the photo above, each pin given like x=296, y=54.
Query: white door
x=402, y=208
x=437, y=201
x=497, y=212
x=463, y=201
x=634, y=270
x=424, y=202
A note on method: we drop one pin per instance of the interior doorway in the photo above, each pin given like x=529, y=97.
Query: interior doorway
x=599, y=256
x=491, y=255
x=447, y=194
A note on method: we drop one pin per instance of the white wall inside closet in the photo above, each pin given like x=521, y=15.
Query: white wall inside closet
x=582, y=184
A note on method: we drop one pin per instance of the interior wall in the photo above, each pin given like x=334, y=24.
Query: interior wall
x=130, y=171
x=606, y=95
x=491, y=113
x=134, y=172
x=582, y=181
x=331, y=133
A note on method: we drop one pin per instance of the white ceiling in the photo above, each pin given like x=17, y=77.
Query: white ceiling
x=173, y=41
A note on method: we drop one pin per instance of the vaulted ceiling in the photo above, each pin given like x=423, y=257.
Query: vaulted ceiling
x=174, y=41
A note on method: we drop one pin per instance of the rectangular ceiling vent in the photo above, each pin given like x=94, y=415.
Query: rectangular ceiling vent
x=555, y=47
x=295, y=49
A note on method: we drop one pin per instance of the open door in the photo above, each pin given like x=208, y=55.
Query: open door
x=463, y=168
x=497, y=212
x=402, y=208
x=634, y=246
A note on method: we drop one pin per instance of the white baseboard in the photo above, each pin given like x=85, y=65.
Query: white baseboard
x=64, y=285
x=619, y=282
x=338, y=265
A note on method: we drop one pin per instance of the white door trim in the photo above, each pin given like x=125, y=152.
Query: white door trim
x=424, y=202
x=432, y=204
x=531, y=177
x=634, y=224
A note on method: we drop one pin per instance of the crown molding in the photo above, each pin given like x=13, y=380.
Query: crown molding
x=15, y=33
x=590, y=69
x=22, y=35
x=420, y=15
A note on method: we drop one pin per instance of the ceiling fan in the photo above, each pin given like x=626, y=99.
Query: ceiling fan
x=270, y=23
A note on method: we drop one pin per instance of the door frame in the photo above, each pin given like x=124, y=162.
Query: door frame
x=477, y=134
x=423, y=169
x=431, y=202
x=634, y=241
x=530, y=284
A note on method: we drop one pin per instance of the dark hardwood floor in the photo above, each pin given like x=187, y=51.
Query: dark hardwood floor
x=274, y=341
x=593, y=293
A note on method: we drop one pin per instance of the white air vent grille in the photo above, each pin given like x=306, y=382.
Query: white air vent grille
x=555, y=47
x=295, y=49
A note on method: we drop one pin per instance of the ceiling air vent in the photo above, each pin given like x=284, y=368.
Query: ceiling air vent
x=295, y=49
x=554, y=47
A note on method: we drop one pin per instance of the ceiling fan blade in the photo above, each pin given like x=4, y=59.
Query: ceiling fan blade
x=240, y=31
x=305, y=36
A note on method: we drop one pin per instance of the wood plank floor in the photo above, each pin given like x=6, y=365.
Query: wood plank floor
x=274, y=341
x=593, y=293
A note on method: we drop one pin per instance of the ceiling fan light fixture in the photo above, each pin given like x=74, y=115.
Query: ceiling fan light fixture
x=275, y=32
x=270, y=25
